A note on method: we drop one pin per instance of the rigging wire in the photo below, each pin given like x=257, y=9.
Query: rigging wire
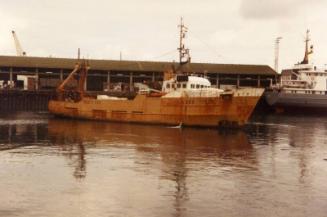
x=127, y=63
x=207, y=45
x=164, y=54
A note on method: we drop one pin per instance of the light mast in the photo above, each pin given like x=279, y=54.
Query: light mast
x=277, y=41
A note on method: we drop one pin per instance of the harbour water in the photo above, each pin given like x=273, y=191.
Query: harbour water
x=276, y=166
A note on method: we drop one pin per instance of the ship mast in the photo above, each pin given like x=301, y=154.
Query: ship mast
x=80, y=72
x=184, y=53
x=307, y=51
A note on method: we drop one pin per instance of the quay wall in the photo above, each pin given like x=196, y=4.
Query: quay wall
x=26, y=100
x=18, y=100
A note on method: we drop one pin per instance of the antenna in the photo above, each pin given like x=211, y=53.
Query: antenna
x=184, y=53
x=277, y=41
x=19, y=49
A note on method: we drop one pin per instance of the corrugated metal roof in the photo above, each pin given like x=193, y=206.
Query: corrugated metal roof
x=116, y=65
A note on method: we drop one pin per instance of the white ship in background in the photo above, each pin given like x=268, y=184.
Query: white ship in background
x=304, y=87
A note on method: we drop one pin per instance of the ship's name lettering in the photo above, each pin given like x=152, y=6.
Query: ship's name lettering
x=92, y=102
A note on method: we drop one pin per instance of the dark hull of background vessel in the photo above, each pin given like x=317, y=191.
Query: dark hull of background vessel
x=297, y=103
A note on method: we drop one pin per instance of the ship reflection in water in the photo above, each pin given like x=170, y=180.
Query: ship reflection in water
x=58, y=167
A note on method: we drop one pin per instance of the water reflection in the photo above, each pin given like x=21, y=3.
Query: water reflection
x=302, y=137
x=125, y=169
x=177, y=149
x=175, y=146
x=15, y=134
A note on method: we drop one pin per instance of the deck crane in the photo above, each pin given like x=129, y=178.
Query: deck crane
x=19, y=49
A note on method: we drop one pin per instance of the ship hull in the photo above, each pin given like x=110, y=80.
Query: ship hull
x=290, y=102
x=197, y=111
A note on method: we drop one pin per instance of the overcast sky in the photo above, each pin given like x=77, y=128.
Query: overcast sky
x=220, y=31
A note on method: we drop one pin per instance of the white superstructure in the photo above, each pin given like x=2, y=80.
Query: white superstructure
x=191, y=86
x=305, y=78
x=194, y=86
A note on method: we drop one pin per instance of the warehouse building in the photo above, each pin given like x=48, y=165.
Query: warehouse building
x=39, y=73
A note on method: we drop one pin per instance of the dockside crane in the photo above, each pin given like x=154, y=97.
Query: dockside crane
x=19, y=49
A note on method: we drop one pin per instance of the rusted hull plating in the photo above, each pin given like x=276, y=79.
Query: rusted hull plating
x=206, y=112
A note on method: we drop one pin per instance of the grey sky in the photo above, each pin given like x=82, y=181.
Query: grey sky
x=268, y=9
x=220, y=31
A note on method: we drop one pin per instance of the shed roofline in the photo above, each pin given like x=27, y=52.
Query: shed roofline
x=132, y=65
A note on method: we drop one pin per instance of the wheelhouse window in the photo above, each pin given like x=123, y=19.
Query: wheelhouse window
x=197, y=86
x=192, y=86
x=184, y=86
x=168, y=85
x=178, y=85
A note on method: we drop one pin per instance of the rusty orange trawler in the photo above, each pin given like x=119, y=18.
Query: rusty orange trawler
x=184, y=99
